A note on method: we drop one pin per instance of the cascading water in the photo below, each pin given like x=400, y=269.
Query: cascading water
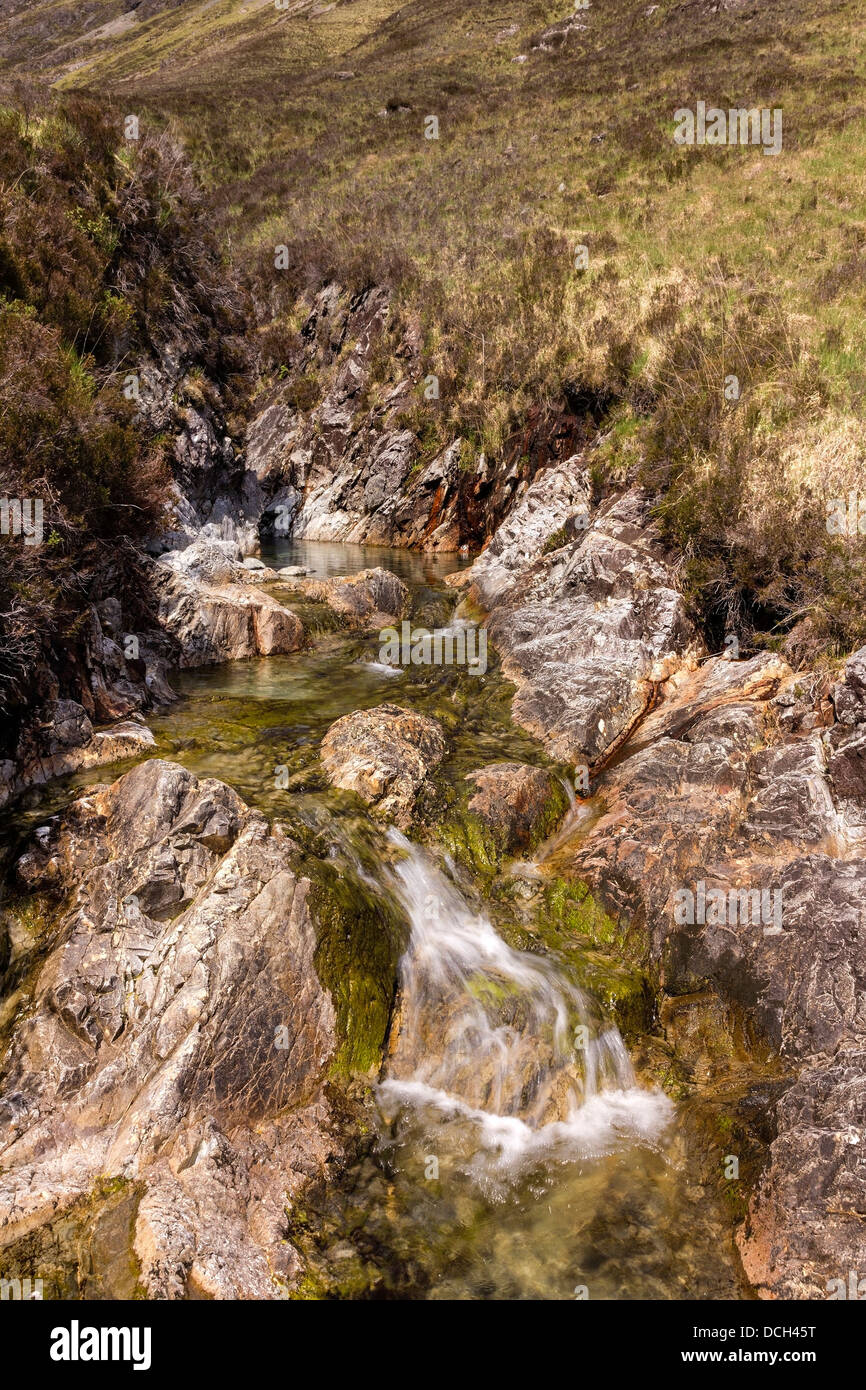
x=499, y=1046
x=520, y=1159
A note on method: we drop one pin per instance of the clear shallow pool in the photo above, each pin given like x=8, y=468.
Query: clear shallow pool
x=324, y=559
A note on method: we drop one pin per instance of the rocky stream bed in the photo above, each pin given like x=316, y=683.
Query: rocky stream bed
x=363, y=981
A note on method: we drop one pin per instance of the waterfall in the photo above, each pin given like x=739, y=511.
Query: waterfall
x=498, y=1046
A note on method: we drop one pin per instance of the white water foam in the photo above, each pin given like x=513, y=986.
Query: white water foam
x=497, y=1045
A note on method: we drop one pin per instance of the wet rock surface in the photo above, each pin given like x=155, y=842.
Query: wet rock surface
x=519, y=804
x=172, y=1034
x=385, y=755
x=373, y=598
x=60, y=738
x=710, y=776
x=715, y=795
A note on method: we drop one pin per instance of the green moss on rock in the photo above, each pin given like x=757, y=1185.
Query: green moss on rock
x=625, y=994
x=571, y=907
x=471, y=843
x=87, y=1251
x=360, y=939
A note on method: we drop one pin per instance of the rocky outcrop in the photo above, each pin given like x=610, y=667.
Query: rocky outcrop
x=333, y=471
x=334, y=453
x=59, y=738
x=170, y=1034
x=210, y=606
x=385, y=755
x=714, y=781
x=587, y=623
x=719, y=805
x=519, y=804
x=213, y=494
x=372, y=598
x=558, y=495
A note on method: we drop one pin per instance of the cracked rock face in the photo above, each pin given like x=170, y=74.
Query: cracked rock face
x=346, y=468
x=585, y=628
x=385, y=755
x=718, y=790
x=173, y=1034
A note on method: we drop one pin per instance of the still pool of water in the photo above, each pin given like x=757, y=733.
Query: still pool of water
x=324, y=559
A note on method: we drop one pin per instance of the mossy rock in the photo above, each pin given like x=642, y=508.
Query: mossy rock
x=360, y=939
x=570, y=907
x=481, y=842
x=87, y=1251
x=26, y=927
x=471, y=843
x=625, y=995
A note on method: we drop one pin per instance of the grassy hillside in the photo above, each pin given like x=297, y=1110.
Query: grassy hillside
x=307, y=125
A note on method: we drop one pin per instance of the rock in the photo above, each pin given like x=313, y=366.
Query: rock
x=233, y=528
x=849, y=697
x=805, y=1227
x=57, y=727
x=206, y=561
x=460, y=579
x=587, y=628
x=176, y=1037
x=373, y=598
x=293, y=571
x=554, y=37
x=344, y=466
x=555, y=495
x=353, y=506
x=385, y=755
x=213, y=619
x=710, y=793
x=252, y=563
x=332, y=459
x=521, y=805
x=847, y=771
x=61, y=739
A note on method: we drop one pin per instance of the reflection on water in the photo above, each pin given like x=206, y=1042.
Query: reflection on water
x=324, y=559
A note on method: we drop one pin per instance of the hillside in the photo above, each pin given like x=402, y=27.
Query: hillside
x=555, y=131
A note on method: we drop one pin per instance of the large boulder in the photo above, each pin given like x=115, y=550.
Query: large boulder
x=555, y=496
x=171, y=1039
x=586, y=617
x=385, y=755
x=210, y=605
x=373, y=598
